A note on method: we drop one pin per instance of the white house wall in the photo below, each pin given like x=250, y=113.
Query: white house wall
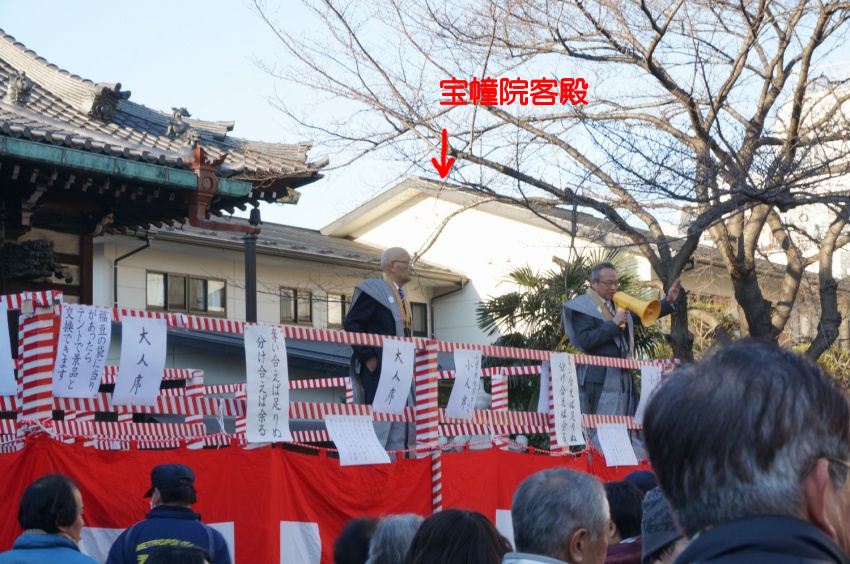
x=483, y=246
x=272, y=273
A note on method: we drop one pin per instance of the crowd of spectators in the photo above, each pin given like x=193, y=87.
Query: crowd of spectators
x=750, y=447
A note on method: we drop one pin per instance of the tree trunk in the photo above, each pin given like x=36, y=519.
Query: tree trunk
x=830, y=317
x=756, y=308
x=681, y=339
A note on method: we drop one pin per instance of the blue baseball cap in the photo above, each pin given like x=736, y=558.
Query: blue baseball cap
x=170, y=476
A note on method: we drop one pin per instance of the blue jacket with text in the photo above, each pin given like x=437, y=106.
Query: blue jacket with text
x=167, y=525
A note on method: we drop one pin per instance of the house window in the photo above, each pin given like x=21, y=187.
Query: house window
x=419, y=312
x=176, y=292
x=206, y=295
x=337, y=308
x=191, y=294
x=156, y=290
x=296, y=306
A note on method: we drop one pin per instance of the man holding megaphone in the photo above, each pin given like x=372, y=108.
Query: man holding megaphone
x=601, y=323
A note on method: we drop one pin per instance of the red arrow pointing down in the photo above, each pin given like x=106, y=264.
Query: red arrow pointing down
x=443, y=166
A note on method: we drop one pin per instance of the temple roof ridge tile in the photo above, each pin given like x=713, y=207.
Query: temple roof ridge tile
x=217, y=128
x=79, y=93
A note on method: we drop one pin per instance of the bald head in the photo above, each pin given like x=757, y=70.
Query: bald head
x=397, y=265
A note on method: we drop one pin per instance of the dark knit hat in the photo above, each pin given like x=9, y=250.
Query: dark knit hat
x=657, y=526
x=644, y=479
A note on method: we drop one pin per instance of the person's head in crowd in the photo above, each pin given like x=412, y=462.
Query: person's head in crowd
x=561, y=514
x=643, y=479
x=662, y=541
x=392, y=538
x=352, y=544
x=751, y=430
x=172, y=554
x=53, y=504
x=456, y=536
x=625, y=502
x=172, y=484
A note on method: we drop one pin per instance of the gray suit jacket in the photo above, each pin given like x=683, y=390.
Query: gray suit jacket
x=590, y=332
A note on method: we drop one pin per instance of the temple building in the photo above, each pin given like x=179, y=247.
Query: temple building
x=78, y=159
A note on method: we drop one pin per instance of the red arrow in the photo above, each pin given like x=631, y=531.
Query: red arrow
x=443, y=166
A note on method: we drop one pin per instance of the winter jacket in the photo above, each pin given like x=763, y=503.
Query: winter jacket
x=767, y=538
x=167, y=525
x=44, y=548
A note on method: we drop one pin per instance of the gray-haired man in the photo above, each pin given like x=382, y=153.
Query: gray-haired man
x=750, y=446
x=595, y=327
x=559, y=515
x=381, y=305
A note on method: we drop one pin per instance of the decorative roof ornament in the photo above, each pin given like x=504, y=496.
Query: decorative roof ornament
x=19, y=88
x=182, y=130
x=106, y=98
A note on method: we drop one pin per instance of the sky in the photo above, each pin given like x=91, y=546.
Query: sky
x=201, y=55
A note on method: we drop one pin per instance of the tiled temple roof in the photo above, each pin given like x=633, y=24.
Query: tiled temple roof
x=43, y=103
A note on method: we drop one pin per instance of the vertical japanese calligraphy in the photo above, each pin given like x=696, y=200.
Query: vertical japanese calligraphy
x=545, y=388
x=8, y=386
x=84, y=336
x=466, y=385
x=396, y=377
x=616, y=445
x=650, y=377
x=267, y=413
x=566, y=399
x=355, y=439
x=142, y=361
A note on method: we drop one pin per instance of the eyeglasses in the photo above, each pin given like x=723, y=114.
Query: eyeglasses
x=844, y=463
x=405, y=262
x=811, y=466
x=610, y=283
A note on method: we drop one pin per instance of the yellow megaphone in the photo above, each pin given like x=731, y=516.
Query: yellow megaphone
x=647, y=311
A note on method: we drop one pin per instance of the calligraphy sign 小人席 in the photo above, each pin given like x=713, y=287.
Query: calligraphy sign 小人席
x=466, y=385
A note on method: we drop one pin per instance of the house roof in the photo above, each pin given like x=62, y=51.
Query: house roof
x=61, y=108
x=301, y=244
x=412, y=190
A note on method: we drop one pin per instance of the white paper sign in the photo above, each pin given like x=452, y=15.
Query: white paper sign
x=545, y=388
x=267, y=389
x=355, y=439
x=466, y=385
x=8, y=385
x=142, y=361
x=396, y=377
x=84, y=336
x=566, y=401
x=616, y=445
x=650, y=377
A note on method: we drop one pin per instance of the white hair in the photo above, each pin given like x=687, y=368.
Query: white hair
x=549, y=506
